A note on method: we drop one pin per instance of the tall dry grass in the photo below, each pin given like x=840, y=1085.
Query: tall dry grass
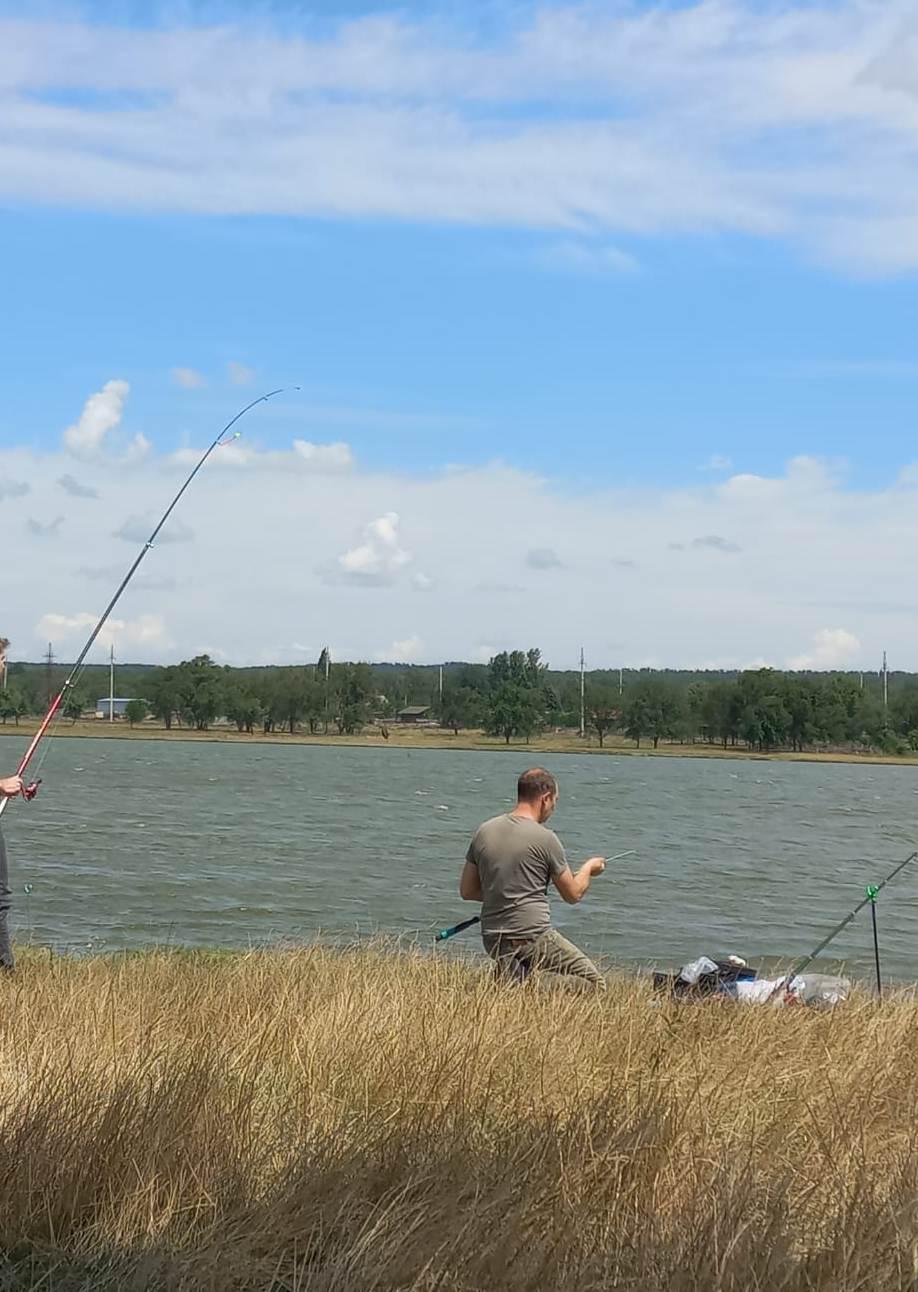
x=361, y=1120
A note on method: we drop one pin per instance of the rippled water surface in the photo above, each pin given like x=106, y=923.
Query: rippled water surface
x=135, y=842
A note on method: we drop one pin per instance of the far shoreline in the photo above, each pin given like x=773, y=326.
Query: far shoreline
x=433, y=739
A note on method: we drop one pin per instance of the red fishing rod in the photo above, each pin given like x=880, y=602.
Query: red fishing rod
x=29, y=791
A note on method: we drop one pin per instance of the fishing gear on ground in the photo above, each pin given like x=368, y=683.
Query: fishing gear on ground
x=733, y=978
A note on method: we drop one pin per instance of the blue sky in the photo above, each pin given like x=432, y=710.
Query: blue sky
x=618, y=264
x=467, y=341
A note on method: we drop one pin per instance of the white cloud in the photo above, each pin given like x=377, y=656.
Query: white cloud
x=325, y=457
x=147, y=631
x=379, y=559
x=831, y=648
x=239, y=374
x=406, y=651
x=188, y=378
x=592, y=121
x=138, y=449
x=717, y=462
x=317, y=458
x=101, y=413
x=815, y=552
x=421, y=581
x=13, y=489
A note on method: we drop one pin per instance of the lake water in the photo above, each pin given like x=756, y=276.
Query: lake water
x=135, y=842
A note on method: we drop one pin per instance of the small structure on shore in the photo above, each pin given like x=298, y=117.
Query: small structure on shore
x=414, y=714
x=116, y=706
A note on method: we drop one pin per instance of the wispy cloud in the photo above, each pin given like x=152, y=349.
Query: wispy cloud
x=44, y=529
x=147, y=631
x=239, y=374
x=592, y=122
x=716, y=543
x=72, y=486
x=137, y=529
x=13, y=489
x=114, y=573
x=303, y=455
x=188, y=378
x=543, y=558
x=585, y=257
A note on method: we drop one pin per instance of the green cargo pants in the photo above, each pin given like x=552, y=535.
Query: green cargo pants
x=515, y=958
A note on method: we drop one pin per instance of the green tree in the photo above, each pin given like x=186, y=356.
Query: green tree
x=764, y=721
x=353, y=693
x=135, y=711
x=518, y=700
x=602, y=709
x=460, y=707
x=506, y=710
x=164, y=694
x=652, y=708
x=201, y=691
x=12, y=705
x=74, y=705
x=242, y=705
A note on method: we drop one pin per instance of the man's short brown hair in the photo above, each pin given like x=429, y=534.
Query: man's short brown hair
x=534, y=783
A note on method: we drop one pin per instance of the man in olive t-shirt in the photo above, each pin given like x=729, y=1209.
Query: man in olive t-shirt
x=510, y=862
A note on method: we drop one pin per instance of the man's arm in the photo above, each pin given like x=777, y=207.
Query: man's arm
x=470, y=883
x=573, y=887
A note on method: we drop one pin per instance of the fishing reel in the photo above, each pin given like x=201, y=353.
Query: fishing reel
x=29, y=791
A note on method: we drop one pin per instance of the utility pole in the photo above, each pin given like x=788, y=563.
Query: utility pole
x=582, y=696
x=4, y=643
x=885, y=683
x=620, y=682
x=111, y=683
x=327, y=674
x=49, y=662
x=441, y=683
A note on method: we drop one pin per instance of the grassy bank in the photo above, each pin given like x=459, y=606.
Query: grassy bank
x=356, y=1121
x=407, y=737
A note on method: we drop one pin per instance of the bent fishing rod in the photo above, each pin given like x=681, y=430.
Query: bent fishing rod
x=873, y=890
x=444, y=934
x=29, y=791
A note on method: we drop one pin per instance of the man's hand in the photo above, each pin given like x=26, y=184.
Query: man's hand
x=11, y=786
x=572, y=887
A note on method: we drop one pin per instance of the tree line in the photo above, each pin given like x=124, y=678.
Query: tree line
x=514, y=697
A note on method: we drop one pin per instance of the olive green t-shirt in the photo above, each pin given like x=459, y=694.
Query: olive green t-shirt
x=516, y=858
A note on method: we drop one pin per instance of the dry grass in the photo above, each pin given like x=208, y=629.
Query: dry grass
x=361, y=1120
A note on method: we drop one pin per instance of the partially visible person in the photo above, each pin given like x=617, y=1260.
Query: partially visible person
x=508, y=867
x=10, y=786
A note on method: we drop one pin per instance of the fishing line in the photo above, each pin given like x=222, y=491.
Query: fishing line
x=29, y=791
